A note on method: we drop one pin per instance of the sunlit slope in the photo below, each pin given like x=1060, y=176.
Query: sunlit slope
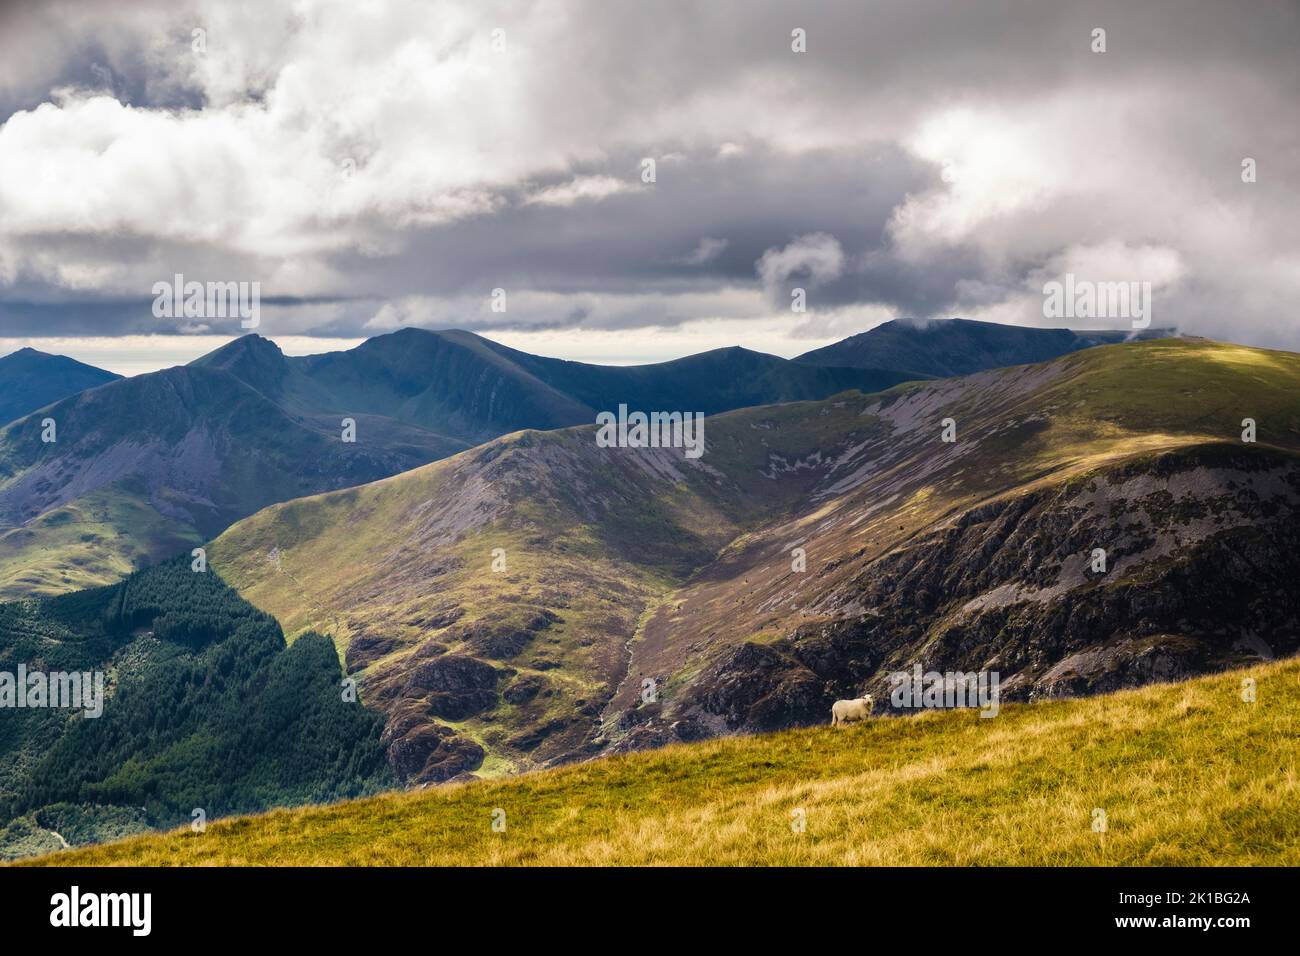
x=970, y=554
x=520, y=660
x=89, y=541
x=1185, y=774
x=625, y=565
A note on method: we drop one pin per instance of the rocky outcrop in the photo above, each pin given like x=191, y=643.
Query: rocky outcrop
x=762, y=688
x=505, y=640
x=367, y=647
x=421, y=751
x=454, y=686
x=1199, y=550
x=524, y=689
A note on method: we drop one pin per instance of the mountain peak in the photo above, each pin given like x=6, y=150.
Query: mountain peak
x=27, y=355
x=255, y=360
x=250, y=344
x=31, y=379
x=410, y=333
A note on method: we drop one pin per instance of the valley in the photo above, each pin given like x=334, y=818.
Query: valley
x=625, y=565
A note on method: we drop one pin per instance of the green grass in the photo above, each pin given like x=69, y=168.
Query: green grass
x=97, y=539
x=386, y=557
x=1187, y=774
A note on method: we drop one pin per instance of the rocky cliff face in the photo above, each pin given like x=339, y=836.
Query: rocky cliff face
x=1199, y=546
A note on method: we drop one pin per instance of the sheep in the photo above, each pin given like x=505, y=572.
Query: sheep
x=847, y=711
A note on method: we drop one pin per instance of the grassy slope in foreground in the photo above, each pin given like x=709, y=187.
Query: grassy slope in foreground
x=1188, y=774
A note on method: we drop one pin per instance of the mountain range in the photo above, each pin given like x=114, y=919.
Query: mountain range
x=144, y=467
x=147, y=466
x=1114, y=516
x=541, y=599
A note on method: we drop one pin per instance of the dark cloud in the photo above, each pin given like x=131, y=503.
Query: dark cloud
x=466, y=173
x=637, y=240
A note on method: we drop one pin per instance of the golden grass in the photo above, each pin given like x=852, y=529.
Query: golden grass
x=1187, y=774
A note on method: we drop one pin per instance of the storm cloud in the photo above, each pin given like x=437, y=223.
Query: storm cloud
x=617, y=166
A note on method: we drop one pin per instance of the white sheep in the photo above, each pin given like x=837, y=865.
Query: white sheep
x=847, y=711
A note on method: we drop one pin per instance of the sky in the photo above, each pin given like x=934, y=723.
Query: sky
x=374, y=165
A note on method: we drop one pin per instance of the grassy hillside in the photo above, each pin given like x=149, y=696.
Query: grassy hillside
x=624, y=565
x=970, y=555
x=145, y=465
x=1187, y=775
x=100, y=537
x=540, y=639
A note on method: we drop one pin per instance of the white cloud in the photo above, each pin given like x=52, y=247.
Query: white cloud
x=816, y=256
x=579, y=189
x=1115, y=261
x=708, y=249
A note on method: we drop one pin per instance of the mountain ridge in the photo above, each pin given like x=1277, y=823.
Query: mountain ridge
x=625, y=565
x=150, y=464
x=31, y=379
x=159, y=462
x=941, y=348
